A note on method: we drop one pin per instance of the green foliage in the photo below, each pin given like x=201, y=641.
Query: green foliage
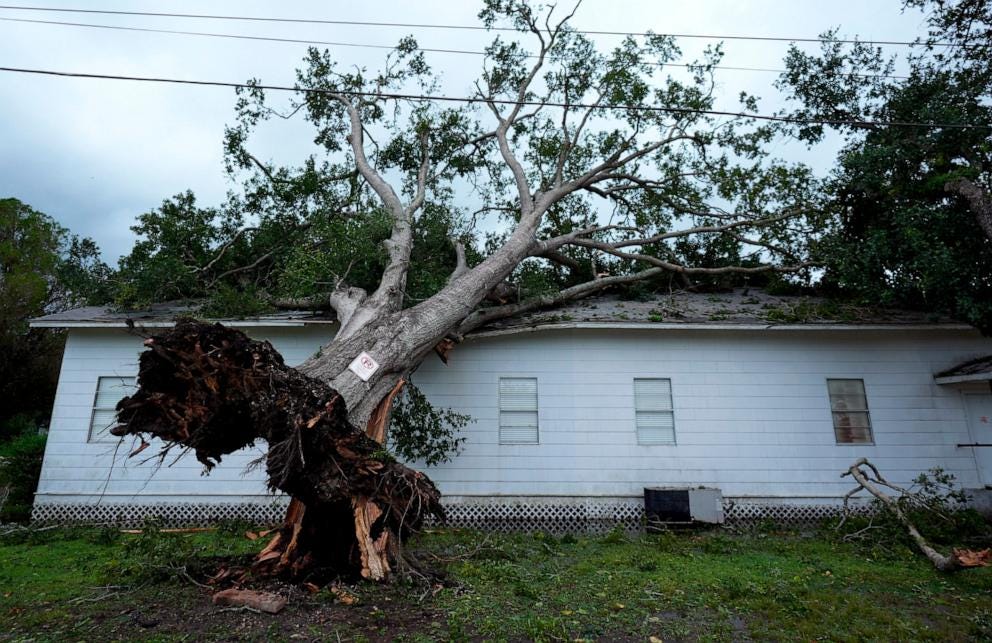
x=229, y=302
x=803, y=311
x=178, y=253
x=297, y=231
x=707, y=586
x=420, y=431
x=153, y=555
x=902, y=236
x=44, y=536
x=20, y=468
x=16, y=426
x=239, y=268
x=43, y=269
x=615, y=536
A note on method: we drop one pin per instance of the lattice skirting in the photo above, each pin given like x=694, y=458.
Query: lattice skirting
x=168, y=514
x=558, y=517
x=750, y=513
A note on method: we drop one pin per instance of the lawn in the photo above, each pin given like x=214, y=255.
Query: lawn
x=97, y=584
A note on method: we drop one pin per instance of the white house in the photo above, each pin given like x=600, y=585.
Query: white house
x=577, y=410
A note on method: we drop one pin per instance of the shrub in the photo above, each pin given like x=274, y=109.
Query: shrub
x=20, y=468
x=15, y=426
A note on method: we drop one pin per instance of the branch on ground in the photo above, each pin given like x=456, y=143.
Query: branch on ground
x=869, y=479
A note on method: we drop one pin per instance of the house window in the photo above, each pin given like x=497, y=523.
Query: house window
x=849, y=406
x=653, y=412
x=109, y=391
x=518, y=410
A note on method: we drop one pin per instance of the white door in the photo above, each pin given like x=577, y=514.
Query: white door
x=979, y=407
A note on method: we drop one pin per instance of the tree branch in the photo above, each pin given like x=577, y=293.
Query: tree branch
x=487, y=315
x=224, y=248
x=356, y=140
x=461, y=265
x=611, y=249
x=389, y=293
x=940, y=561
x=562, y=260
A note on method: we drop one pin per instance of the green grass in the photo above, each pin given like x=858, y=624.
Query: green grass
x=715, y=587
x=709, y=586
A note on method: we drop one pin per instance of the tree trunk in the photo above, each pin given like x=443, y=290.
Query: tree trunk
x=213, y=390
x=978, y=200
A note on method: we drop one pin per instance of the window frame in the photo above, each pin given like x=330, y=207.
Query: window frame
x=866, y=411
x=501, y=411
x=100, y=435
x=670, y=409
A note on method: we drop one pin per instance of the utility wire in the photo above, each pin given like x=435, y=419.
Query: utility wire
x=363, y=45
x=414, y=25
x=500, y=101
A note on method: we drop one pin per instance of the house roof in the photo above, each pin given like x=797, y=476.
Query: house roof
x=164, y=315
x=740, y=309
x=975, y=370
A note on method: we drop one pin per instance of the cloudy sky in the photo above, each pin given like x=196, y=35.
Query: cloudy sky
x=96, y=153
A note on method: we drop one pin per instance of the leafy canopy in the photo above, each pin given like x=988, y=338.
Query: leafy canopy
x=292, y=233
x=43, y=269
x=906, y=235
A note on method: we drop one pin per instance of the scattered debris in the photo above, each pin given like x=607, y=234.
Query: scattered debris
x=177, y=530
x=261, y=601
x=343, y=596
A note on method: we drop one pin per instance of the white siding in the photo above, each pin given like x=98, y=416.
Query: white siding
x=751, y=409
x=77, y=470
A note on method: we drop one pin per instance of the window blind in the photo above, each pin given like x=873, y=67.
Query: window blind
x=109, y=391
x=518, y=410
x=653, y=411
x=849, y=407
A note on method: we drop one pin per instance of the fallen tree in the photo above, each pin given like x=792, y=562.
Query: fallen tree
x=572, y=132
x=212, y=390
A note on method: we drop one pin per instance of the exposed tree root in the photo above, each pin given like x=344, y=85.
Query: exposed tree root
x=213, y=390
x=873, y=482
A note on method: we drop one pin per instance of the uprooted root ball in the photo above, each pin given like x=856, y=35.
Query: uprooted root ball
x=214, y=390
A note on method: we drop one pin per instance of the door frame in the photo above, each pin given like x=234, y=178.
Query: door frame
x=984, y=478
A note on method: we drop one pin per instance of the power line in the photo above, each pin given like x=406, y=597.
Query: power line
x=415, y=25
x=234, y=36
x=360, y=45
x=498, y=101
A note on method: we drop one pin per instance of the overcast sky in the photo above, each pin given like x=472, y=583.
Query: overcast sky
x=94, y=154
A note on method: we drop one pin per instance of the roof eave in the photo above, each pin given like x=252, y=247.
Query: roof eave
x=717, y=327
x=960, y=379
x=295, y=323
x=241, y=323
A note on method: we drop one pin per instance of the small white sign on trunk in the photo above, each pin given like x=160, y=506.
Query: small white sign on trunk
x=364, y=366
